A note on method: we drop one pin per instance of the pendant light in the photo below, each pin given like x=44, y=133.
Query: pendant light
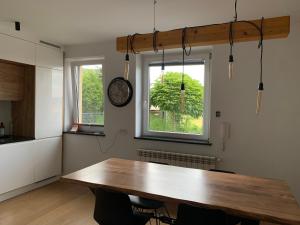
x=154, y=40
x=182, y=87
x=261, y=84
x=162, y=72
x=231, y=41
x=127, y=64
x=231, y=61
x=184, y=53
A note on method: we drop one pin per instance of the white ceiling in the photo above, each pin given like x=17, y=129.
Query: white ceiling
x=69, y=22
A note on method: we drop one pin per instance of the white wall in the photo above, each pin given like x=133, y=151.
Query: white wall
x=266, y=145
x=5, y=115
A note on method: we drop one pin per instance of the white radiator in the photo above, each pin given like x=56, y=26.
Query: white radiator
x=178, y=159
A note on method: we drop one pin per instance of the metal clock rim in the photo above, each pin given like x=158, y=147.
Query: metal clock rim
x=130, y=92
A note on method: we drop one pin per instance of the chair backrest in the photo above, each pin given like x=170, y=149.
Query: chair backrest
x=190, y=215
x=112, y=208
x=221, y=171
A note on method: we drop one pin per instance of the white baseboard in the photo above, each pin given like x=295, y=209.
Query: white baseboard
x=22, y=190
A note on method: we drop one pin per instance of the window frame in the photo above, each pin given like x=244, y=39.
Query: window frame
x=86, y=127
x=169, y=58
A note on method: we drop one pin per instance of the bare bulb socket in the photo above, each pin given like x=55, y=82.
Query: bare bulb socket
x=261, y=86
x=231, y=59
x=182, y=88
x=127, y=57
x=162, y=66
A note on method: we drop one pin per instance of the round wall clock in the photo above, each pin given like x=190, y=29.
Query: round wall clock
x=119, y=92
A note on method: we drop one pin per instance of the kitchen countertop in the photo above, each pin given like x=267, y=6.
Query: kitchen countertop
x=12, y=139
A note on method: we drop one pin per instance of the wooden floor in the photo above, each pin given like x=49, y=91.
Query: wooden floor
x=56, y=204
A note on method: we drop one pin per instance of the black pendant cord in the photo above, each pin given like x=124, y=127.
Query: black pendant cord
x=131, y=41
x=260, y=45
x=154, y=15
x=185, y=52
x=184, y=42
x=235, y=10
x=231, y=41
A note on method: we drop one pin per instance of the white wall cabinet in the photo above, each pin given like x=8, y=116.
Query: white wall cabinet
x=48, y=103
x=17, y=50
x=49, y=57
x=25, y=163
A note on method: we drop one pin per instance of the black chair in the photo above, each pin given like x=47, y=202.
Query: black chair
x=141, y=203
x=221, y=171
x=190, y=215
x=114, y=208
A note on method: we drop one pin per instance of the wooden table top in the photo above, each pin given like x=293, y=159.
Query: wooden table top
x=257, y=198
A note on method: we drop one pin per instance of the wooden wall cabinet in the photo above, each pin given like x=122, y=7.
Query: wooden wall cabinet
x=11, y=81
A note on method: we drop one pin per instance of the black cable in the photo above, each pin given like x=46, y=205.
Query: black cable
x=183, y=42
x=183, y=56
x=235, y=10
x=231, y=38
x=261, y=46
x=132, y=38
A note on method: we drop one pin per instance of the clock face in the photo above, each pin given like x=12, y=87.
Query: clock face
x=119, y=92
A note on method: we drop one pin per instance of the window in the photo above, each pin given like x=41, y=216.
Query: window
x=89, y=97
x=164, y=114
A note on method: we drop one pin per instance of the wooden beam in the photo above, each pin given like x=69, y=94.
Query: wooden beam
x=274, y=28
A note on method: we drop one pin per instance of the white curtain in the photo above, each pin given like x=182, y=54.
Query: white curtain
x=71, y=111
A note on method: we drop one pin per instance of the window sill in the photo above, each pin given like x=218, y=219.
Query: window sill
x=175, y=140
x=101, y=134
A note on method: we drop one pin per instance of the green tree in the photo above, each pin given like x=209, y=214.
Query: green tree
x=92, y=91
x=166, y=95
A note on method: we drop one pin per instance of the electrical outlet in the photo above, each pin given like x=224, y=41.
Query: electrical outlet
x=123, y=131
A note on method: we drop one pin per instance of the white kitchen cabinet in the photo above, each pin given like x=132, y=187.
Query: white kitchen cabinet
x=48, y=158
x=16, y=166
x=25, y=163
x=48, y=103
x=17, y=50
x=49, y=57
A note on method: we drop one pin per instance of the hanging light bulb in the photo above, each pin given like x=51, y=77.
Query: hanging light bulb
x=162, y=73
x=126, y=68
x=261, y=84
x=231, y=61
x=182, y=98
x=230, y=67
x=184, y=52
x=126, y=64
x=259, y=97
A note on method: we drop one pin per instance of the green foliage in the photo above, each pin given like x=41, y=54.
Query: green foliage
x=166, y=95
x=92, y=91
x=160, y=121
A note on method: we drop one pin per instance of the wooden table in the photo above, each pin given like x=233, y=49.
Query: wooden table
x=252, y=197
